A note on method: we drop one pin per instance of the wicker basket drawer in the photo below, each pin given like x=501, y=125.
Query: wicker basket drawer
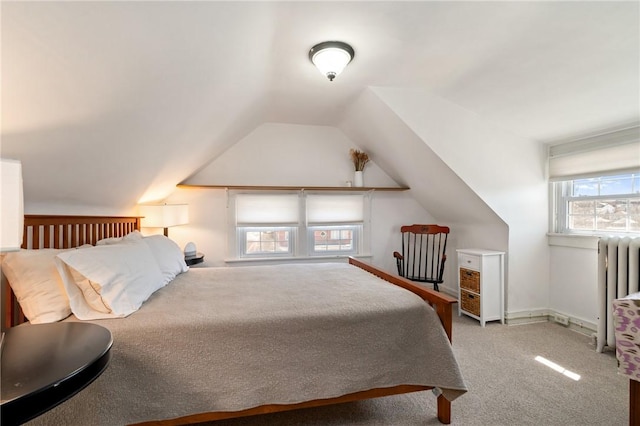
x=470, y=302
x=470, y=280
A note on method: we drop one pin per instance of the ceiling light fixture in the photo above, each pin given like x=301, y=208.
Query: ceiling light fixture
x=331, y=57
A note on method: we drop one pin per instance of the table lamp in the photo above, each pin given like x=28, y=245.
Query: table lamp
x=11, y=205
x=164, y=216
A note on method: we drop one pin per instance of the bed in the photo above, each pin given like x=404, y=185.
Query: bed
x=217, y=343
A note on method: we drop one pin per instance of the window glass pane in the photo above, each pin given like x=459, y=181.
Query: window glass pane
x=634, y=215
x=327, y=239
x=636, y=184
x=346, y=240
x=612, y=215
x=267, y=247
x=253, y=236
x=320, y=239
x=267, y=242
x=616, y=185
x=582, y=215
x=585, y=187
x=582, y=207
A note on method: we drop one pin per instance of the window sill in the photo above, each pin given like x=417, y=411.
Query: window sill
x=573, y=240
x=308, y=259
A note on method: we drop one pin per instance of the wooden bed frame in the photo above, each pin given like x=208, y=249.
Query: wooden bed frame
x=44, y=231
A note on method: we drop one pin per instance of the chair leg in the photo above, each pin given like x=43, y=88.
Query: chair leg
x=435, y=287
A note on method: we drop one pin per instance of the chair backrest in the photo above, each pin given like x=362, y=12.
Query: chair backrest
x=423, y=253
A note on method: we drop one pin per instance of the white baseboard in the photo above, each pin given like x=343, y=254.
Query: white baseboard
x=580, y=325
x=585, y=327
x=526, y=317
x=542, y=315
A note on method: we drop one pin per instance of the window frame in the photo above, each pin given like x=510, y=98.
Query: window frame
x=301, y=238
x=562, y=197
x=241, y=238
x=356, y=230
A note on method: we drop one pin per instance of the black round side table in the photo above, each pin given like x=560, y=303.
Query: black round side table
x=43, y=365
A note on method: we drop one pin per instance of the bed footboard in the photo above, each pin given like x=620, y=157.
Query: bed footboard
x=444, y=407
x=442, y=303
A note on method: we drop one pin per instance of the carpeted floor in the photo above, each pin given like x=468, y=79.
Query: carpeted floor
x=507, y=386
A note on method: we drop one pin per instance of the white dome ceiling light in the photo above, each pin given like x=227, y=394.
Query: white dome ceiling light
x=331, y=57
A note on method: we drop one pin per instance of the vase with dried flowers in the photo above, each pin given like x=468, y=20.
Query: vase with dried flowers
x=359, y=159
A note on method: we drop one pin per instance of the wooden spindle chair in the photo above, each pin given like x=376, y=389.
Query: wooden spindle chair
x=423, y=253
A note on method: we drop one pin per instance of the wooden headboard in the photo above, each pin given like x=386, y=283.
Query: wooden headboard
x=45, y=231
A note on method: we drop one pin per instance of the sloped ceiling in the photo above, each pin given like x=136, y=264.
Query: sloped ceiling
x=143, y=94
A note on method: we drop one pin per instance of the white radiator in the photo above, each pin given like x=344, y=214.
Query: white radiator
x=618, y=276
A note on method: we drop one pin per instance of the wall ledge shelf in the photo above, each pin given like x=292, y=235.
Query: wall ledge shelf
x=294, y=188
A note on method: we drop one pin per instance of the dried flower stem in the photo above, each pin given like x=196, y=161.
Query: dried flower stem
x=359, y=158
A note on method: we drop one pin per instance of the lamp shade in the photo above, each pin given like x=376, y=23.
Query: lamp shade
x=164, y=215
x=11, y=205
x=331, y=57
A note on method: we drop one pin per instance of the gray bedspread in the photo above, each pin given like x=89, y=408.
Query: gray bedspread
x=226, y=339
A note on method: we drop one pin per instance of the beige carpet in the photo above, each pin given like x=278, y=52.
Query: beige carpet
x=507, y=386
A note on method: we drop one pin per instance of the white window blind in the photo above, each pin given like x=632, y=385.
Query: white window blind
x=606, y=154
x=267, y=209
x=328, y=209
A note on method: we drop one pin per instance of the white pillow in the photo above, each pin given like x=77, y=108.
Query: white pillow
x=90, y=292
x=120, y=277
x=37, y=284
x=131, y=236
x=168, y=255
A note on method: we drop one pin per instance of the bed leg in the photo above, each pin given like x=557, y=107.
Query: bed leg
x=444, y=410
x=634, y=402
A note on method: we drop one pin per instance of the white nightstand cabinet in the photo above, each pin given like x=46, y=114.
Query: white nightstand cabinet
x=481, y=284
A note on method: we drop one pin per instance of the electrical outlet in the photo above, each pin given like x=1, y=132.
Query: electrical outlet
x=561, y=319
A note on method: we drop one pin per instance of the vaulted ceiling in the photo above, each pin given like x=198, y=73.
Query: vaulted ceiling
x=143, y=94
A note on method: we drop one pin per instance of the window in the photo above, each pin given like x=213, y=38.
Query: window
x=596, y=184
x=265, y=224
x=334, y=223
x=266, y=241
x=327, y=240
x=607, y=204
x=302, y=224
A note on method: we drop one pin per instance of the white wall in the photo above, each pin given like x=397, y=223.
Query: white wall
x=292, y=155
x=504, y=170
x=289, y=155
x=434, y=185
x=573, y=279
x=207, y=226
